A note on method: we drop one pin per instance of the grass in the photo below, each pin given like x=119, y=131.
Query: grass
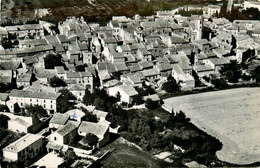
x=125, y=154
x=161, y=113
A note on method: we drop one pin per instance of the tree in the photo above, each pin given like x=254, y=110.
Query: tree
x=232, y=71
x=52, y=60
x=90, y=139
x=181, y=117
x=80, y=68
x=17, y=109
x=99, y=98
x=4, y=108
x=171, y=85
x=6, y=43
x=70, y=154
x=219, y=83
x=256, y=74
x=247, y=55
x=118, y=96
x=89, y=116
x=137, y=99
x=150, y=104
x=234, y=46
x=88, y=98
x=65, y=101
x=4, y=121
x=36, y=111
x=57, y=82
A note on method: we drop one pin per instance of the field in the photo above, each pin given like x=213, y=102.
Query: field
x=232, y=116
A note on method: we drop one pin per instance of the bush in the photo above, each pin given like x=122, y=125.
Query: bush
x=220, y=83
x=137, y=100
x=57, y=82
x=206, y=78
x=17, y=108
x=4, y=121
x=246, y=77
x=150, y=104
x=52, y=60
x=65, y=101
x=80, y=68
x=4, y=108
x=232, y=71
x=90, y=139
x=89, y=116
x=171, y=85
x=35, y=111
x=124, y=104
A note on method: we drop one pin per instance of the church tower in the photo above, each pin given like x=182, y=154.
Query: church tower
x=229, y=6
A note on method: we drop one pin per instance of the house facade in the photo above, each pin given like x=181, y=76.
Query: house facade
x=24, y=148
x=47, y=100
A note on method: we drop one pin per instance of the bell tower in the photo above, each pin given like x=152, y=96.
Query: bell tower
x=229, y=6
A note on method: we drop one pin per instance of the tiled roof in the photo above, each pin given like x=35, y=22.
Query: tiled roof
x=77, y=87
x=129, y=90
x=24, y=78
x=97, y=129
x=22, y=143
x=3, y=96
x=150, y=72
x=30, y=94
x=68, y=128
x=59, y=118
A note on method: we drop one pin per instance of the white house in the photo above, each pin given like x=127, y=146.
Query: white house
x=58, y=120
x=126, y=92
x=186, y=80
x=211, y=10
x=24, y=148
x=20, y=124
x=47, y=100
x=101, y=115
x=78, y=90
x=100, y=129
x=64, y=134
x=75, y=114
x=251, y=4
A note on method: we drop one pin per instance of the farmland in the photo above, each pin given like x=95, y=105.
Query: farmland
x=232, y=116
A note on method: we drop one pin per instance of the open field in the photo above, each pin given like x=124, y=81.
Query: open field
x=232, y=116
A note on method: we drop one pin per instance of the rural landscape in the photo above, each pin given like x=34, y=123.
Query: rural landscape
x=129, y=83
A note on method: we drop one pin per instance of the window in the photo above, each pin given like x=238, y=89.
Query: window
x=51, y=101
x=43, y=101
x=51, y=106
x=55, y=138
x=44, y=106
x=30, y=99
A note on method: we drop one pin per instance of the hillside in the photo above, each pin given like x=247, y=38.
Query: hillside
x=91, y=10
